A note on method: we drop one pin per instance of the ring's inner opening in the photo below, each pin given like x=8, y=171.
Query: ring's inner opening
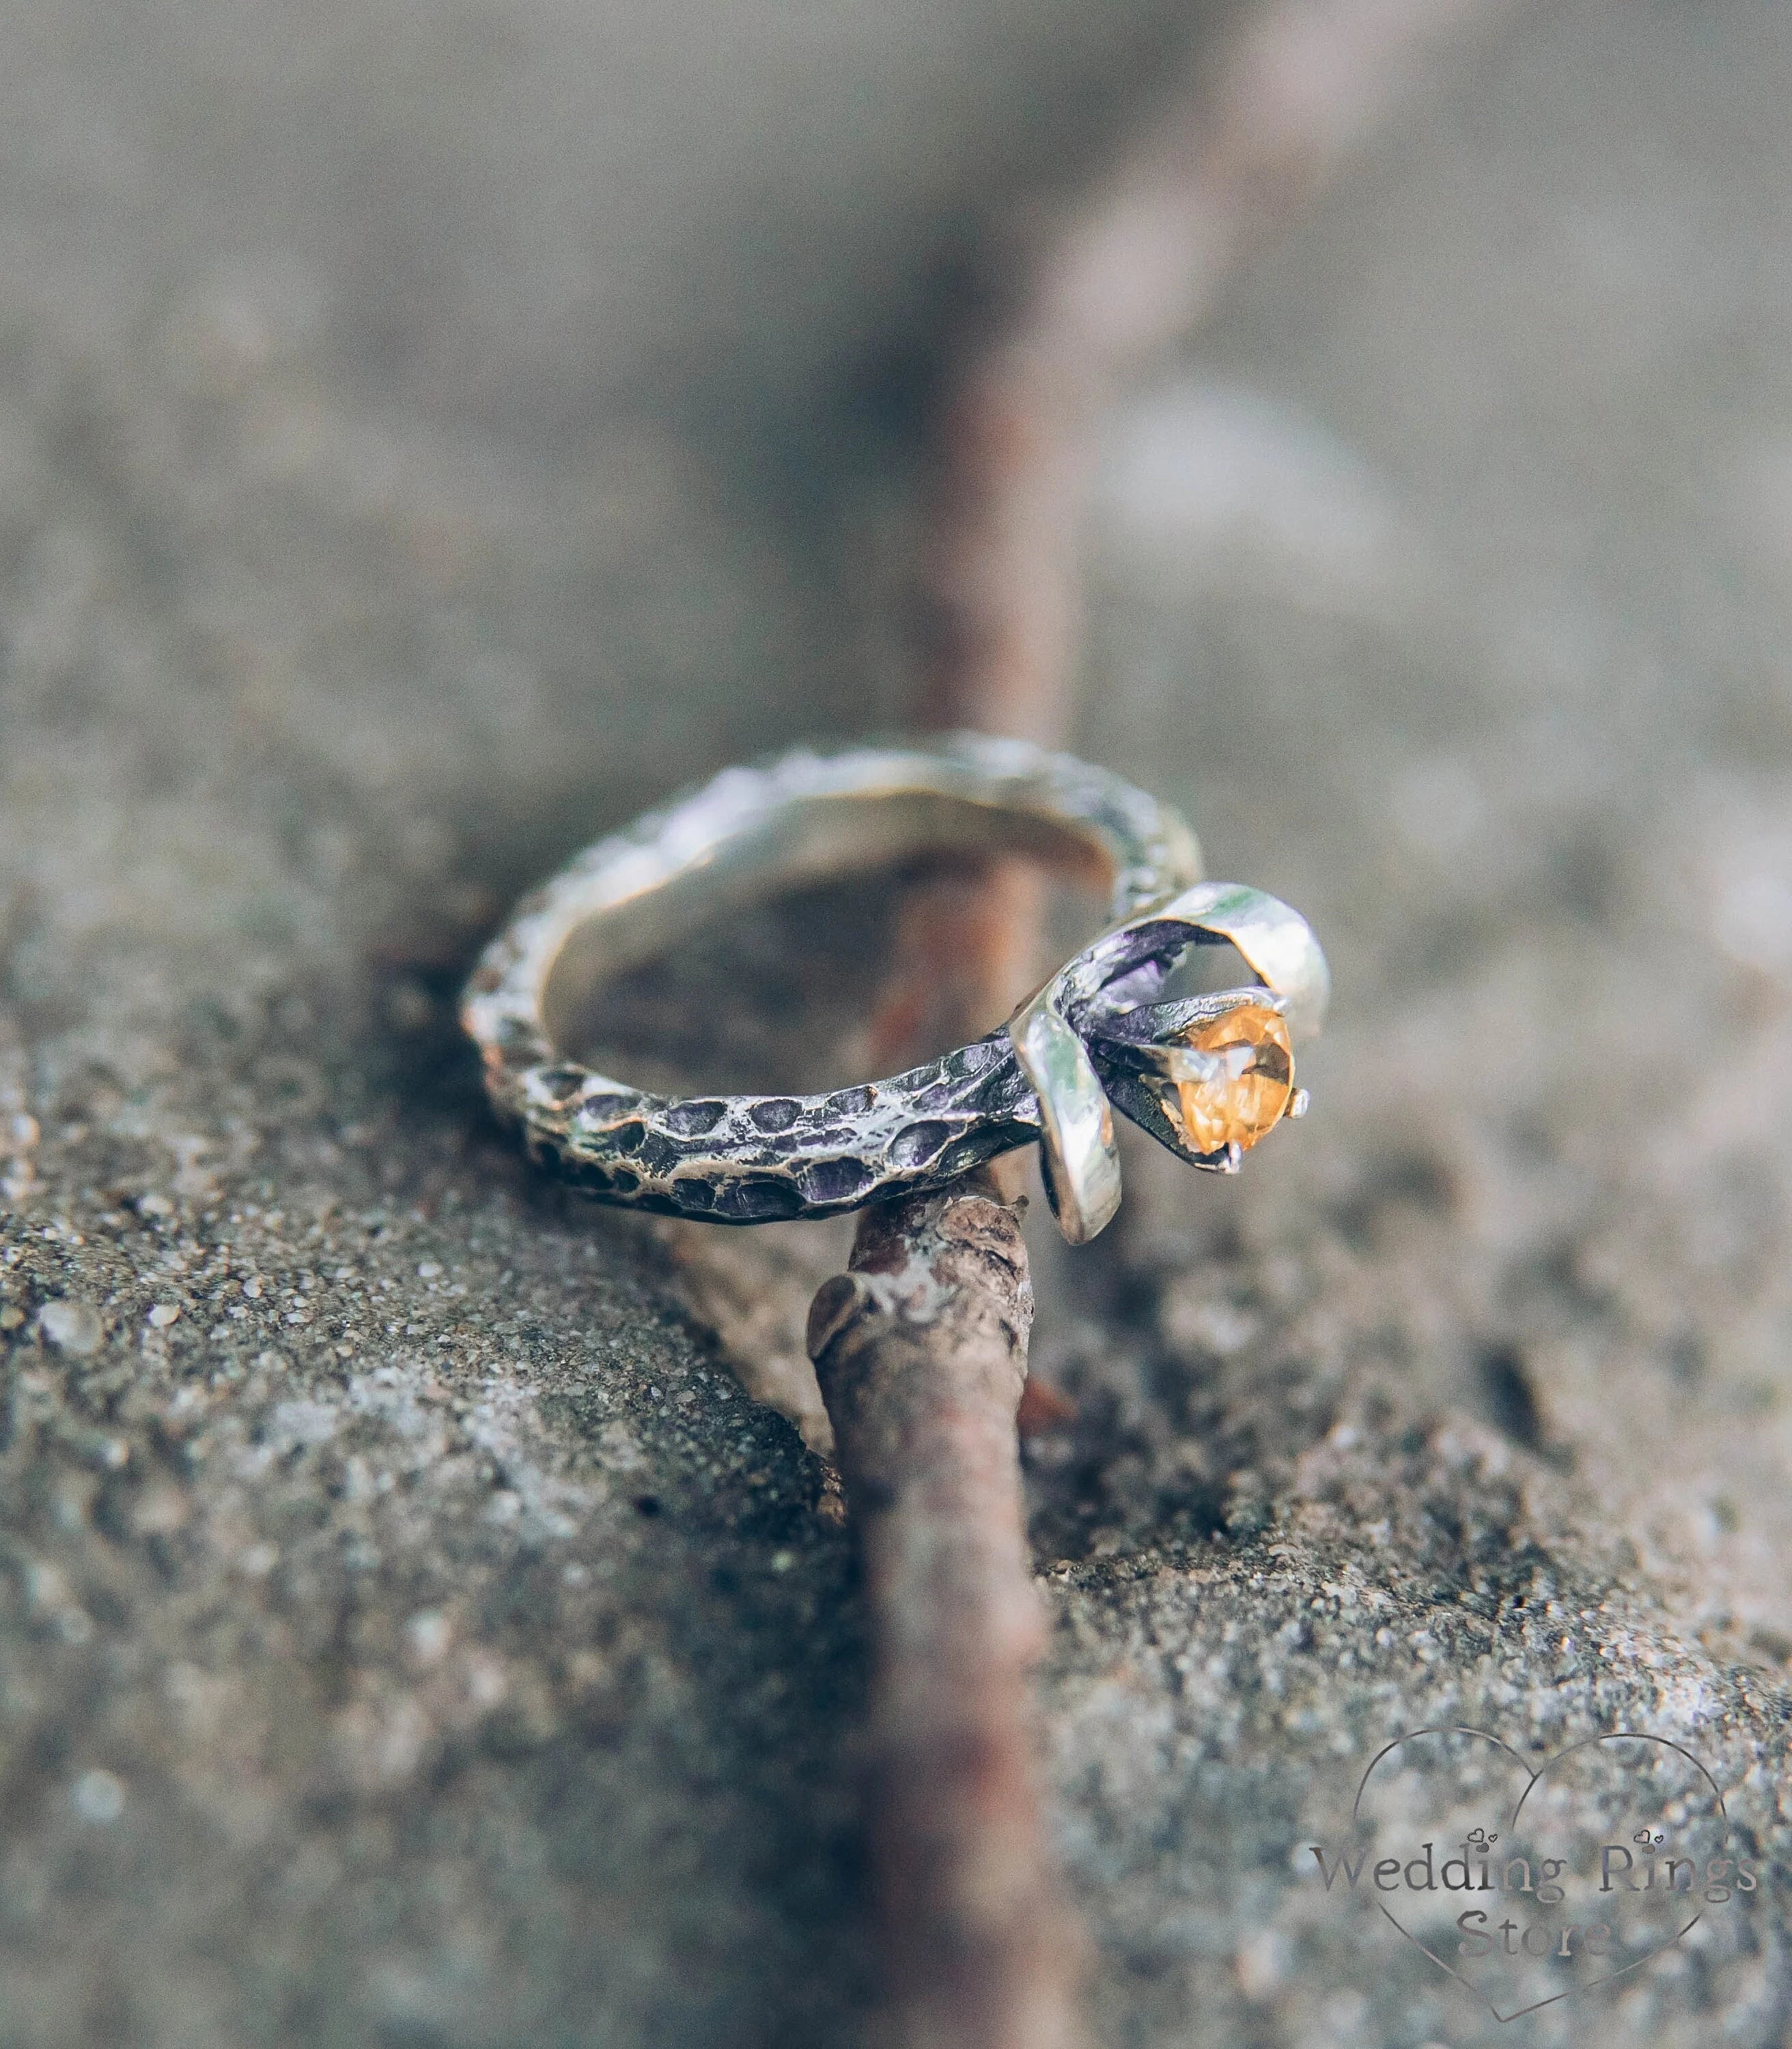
x=1211, y=964
x=843, y=940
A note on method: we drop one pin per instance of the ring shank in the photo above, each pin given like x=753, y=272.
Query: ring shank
x=818, y=839
x=803, y=818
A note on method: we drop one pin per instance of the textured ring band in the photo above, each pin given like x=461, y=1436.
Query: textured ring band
x=1205, y=1075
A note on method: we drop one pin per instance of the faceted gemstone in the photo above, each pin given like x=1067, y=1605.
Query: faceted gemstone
x=1230, y=1079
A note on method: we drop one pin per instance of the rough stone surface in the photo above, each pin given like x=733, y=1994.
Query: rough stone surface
x=409, y=1633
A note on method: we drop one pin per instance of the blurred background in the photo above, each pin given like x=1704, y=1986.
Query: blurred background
x=428, y=436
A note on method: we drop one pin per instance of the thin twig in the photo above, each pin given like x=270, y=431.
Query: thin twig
x=921, y=1350
x=1222, y=157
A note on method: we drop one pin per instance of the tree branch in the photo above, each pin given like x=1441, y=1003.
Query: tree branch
x=921, y=1349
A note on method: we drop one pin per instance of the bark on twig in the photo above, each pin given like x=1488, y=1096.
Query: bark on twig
x=921, y=1349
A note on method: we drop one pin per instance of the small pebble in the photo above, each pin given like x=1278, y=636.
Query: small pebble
x=97, y=1797
x=163, y=1314
x=71, y=1327
x=426, y=1635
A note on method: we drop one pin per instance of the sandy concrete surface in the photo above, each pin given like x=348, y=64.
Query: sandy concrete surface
x=421, y=433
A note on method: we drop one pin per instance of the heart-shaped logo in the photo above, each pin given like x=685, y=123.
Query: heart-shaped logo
x=1531, y=1883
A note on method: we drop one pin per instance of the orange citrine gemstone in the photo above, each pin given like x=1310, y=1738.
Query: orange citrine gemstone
x=1233, y=1081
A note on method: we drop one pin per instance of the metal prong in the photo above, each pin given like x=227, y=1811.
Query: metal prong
x=1080, y=1163
x=1299, y=1103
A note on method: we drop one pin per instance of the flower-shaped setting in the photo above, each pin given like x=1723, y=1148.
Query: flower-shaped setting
x=1208, y=1076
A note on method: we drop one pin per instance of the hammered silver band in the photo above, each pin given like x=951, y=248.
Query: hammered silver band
x=1091, y=1035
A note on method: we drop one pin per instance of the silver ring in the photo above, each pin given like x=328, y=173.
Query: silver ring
x=1207, y=1076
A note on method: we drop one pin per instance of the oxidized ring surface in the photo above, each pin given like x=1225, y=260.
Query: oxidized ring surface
x=1207, y=1076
